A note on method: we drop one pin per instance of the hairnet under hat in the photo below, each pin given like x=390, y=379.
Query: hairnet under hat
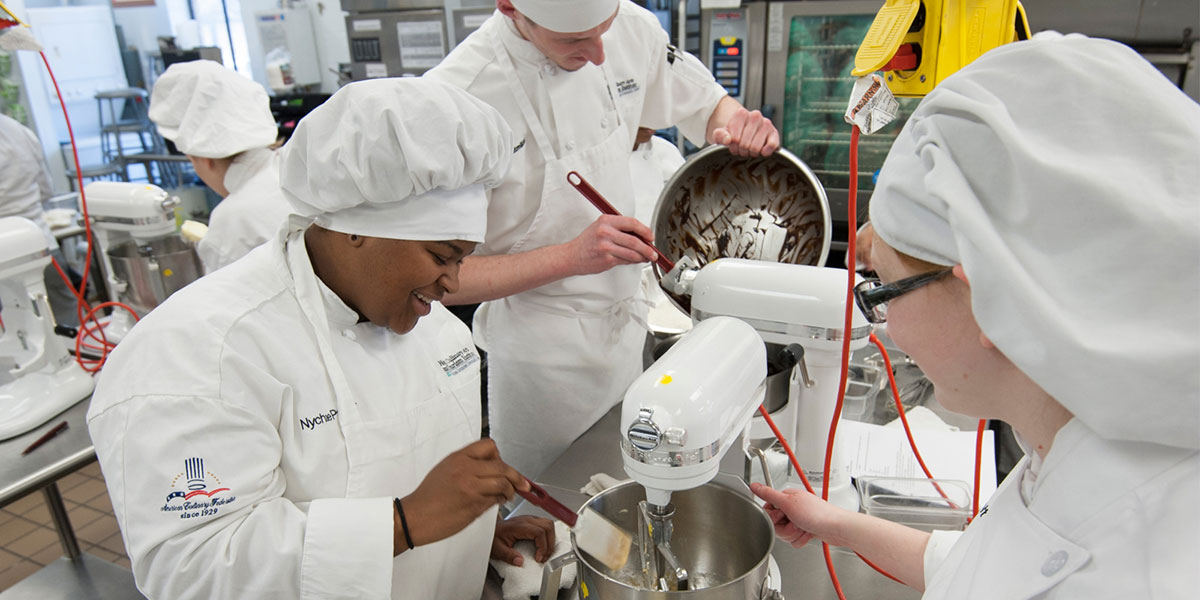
x=1063, y=174
x=567, y=16
x=402, y=158
x=210, y=111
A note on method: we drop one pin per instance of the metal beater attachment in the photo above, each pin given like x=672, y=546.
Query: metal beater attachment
x=661, y=569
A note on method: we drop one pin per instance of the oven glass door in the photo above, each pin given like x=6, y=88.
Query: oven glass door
x=820, y=55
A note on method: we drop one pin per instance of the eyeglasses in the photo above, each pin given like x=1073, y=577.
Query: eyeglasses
x=872, y=296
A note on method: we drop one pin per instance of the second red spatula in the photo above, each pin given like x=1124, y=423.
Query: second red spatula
x=594, y=534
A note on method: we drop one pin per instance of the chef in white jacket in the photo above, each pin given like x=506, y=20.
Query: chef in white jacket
x=24, y=189
x=222, y=121
x=1045, y=196
x=305, y=423
x=563, y=321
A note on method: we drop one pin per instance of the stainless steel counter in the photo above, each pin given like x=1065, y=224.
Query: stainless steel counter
x=62, y=454
x=804, y=574
x=76, y=576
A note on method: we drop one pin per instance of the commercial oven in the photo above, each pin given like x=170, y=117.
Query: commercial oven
x=390, y=38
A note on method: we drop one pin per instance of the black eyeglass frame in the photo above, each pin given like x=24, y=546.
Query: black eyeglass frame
x=869, y=294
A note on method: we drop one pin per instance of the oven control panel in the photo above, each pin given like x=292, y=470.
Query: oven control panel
x=725, y=53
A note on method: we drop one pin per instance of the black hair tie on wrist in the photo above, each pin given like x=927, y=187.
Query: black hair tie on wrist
x=404, y=524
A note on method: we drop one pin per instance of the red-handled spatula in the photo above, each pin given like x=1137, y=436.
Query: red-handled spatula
x=594, y=534
x=578, y=182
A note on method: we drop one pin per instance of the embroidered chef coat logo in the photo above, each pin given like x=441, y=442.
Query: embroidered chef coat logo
x=627, y=86
x=194, y=492
x=459, y=361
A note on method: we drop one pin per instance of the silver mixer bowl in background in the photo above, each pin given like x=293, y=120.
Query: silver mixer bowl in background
x=153, y=270
x=718, y=205
x=721, y=535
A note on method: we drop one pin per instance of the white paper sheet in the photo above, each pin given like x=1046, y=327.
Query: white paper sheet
x=875, y=450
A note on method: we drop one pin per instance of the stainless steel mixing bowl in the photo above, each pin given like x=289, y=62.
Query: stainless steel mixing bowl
x=154, y=270
x=722, y=537
x=718, y=205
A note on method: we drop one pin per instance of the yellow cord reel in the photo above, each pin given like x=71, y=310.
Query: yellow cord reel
x=921, y=42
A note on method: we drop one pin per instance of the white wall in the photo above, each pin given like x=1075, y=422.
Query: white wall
x=333, y=45
x=329, y=36
x=80, y=44
x=142, y=25
x=29, y=67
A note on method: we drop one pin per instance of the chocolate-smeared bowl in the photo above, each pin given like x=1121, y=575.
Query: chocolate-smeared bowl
x=718, y=205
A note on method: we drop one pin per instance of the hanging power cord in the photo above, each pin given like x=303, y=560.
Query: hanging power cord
x=912, y=443
x=90, y=326
x=808, y=486
x=978, y=462
x=851, y=248
x=852, y=218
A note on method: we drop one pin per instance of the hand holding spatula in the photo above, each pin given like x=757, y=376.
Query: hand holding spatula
x=594, y=534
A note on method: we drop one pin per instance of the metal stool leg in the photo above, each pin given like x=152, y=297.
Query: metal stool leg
x=62, y=523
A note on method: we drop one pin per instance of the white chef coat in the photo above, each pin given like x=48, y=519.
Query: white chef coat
x=24, y=181
x=251, y=214
x=561, y=355
x=651, y=165
x=291, y=426
x=24, y=186
x=1104, y=519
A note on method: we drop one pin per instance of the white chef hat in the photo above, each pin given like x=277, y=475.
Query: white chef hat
x=211, y=111
x=402, y=158
x=1062, y=173
x=567, y=16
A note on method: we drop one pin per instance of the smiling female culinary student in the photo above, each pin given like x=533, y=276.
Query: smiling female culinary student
x=304, y=423
x=1038, y=239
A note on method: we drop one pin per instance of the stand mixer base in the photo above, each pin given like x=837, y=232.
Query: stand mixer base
x=35, y=398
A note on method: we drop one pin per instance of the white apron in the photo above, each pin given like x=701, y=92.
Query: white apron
x=389, y=455
x=561, y=355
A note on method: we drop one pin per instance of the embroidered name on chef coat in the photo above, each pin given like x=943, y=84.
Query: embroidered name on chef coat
x=320, y=419
x=627, y=86
x=459, y=361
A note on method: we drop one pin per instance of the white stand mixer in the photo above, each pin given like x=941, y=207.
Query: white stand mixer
x=678, y=420
x=39, y=378
x=140, y=214
x=788, y=304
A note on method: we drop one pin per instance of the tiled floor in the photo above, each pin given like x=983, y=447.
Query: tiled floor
x=29, y=542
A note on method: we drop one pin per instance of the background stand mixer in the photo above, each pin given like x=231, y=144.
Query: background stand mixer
x=38, y=376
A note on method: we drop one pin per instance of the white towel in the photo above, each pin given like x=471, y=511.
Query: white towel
x=526, y=580
x=598, y=483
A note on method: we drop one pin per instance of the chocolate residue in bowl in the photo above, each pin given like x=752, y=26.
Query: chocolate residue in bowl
x=723, y=206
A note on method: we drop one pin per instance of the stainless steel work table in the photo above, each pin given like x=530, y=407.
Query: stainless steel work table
x=803, y=570
x=76, y=576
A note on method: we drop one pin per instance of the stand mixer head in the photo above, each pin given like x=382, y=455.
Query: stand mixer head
x=683, y=413
x=38, y=376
